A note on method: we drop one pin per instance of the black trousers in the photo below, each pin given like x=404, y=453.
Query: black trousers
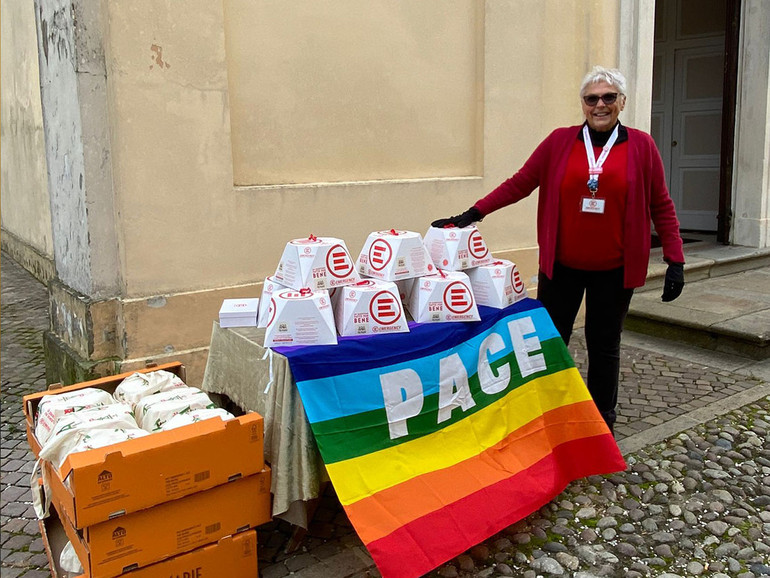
x=606, y=308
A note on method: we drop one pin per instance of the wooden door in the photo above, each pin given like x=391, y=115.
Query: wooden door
x=688, y=77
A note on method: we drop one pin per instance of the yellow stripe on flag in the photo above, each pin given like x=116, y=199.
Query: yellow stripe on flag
x=457, y=442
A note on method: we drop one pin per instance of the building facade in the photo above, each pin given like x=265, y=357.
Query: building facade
x=158, y=156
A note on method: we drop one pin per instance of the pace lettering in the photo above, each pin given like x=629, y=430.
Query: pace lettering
x=402, y=390
x=490, y=382
x=524, y=347
x=453, y=388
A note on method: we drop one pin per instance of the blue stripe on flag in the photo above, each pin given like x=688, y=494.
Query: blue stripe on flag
x=355, y=353
x=363, y=391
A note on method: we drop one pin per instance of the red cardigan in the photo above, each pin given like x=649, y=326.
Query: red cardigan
x=648, y=199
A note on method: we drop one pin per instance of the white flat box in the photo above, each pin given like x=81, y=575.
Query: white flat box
x=454, y=249
x=302, y=317
x=498, y=284
x=316, y=263
x=268, y=288
x=370, y=307
x=239, y=313
x=394, y=255
x=446, y=296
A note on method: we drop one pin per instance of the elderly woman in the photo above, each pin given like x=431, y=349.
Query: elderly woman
x=601, y=184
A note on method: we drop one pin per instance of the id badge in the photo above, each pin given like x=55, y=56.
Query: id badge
x=592, y=205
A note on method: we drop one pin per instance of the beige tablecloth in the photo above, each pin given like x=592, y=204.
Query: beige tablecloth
x=238, y=368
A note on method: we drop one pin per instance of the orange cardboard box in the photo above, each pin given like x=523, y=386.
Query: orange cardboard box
x=142, y=538
x=96, y=485
x=233, y=556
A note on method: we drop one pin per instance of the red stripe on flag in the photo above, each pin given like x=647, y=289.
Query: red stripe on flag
x=417, y=548
x=519, y=450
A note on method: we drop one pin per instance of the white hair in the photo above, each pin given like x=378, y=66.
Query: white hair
x=609, y=75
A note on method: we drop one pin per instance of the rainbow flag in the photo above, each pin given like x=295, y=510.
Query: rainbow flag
x=438, y=438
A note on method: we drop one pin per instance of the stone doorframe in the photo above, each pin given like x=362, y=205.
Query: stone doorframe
x=751, y=175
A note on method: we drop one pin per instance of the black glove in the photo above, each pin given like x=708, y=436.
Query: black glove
x=674, y=283
x=470, y=216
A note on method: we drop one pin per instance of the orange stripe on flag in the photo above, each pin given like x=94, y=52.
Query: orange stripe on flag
x=380, y=514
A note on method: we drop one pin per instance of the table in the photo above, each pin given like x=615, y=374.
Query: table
x=238, y=368
x=437, y=427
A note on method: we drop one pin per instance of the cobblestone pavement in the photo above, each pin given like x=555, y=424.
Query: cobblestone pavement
x=695, y=504
x=24, y=307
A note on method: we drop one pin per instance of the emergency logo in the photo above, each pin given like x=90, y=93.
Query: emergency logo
x=338, y=262
x=380, y=254
x=385, y=308
x=477, y=246
x=518, y=284
x=271, y=312
x=458, y=298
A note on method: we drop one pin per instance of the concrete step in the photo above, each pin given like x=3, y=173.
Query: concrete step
x=724, y=307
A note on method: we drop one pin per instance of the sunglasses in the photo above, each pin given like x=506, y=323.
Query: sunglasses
x=593, y=99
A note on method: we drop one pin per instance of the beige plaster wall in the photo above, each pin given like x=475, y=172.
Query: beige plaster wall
x=384, y=92
x=26, y=213
x=186, y=225
x=183, y=83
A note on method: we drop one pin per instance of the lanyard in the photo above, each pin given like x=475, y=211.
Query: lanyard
x=594, y=164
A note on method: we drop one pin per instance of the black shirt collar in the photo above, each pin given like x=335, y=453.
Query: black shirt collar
x=599, y=139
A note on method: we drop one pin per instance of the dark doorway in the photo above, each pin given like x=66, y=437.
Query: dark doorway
x=693, y=113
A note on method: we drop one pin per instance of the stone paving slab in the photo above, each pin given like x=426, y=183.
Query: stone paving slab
x=728, y=313
x=658, y=387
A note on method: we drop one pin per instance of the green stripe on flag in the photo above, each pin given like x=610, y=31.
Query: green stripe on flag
x=356, y=435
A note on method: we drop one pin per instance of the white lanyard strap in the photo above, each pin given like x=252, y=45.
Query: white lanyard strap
x=594, y=165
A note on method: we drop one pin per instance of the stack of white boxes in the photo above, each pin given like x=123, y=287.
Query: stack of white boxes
x=318, y=291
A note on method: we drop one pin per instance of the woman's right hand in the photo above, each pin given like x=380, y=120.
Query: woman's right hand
x=470, y=216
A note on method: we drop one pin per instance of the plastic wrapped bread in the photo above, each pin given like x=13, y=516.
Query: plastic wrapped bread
x=154, y=410
x=69, y=428
x=91, y=439
x=196, y=415
x=53, y=407
x=69, y=561
x=139, y=385
x=80, y=431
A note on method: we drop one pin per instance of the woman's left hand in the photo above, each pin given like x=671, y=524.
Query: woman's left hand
x=674, y=283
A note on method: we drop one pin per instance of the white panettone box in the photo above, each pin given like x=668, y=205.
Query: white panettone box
x=454, y=249
x=498, y=284
x=268, y=288
x=317, y=263
x=301, y=317
x=239, y=313
x=405, y=289
x=394, y=255
x=445, y=296
x=369, y=307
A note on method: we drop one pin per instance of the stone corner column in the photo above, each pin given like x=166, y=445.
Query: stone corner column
x=84, y=292
x=635, y=54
